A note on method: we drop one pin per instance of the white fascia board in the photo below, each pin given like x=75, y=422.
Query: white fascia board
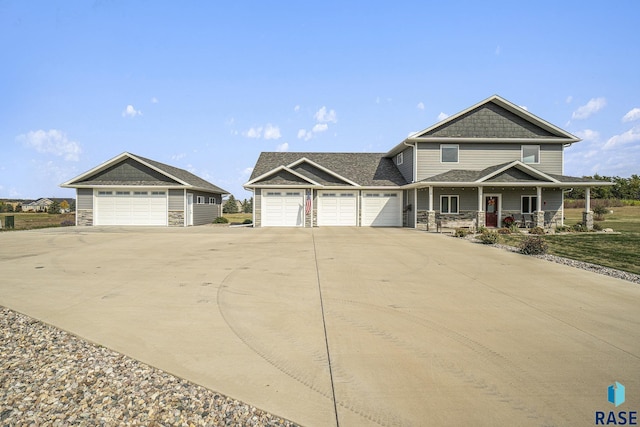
x=519, y=165
x=322, y=168
x=278, y=169
x=453, y=140
x=498, y=184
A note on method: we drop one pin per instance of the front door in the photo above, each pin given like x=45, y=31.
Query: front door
x=491, y=211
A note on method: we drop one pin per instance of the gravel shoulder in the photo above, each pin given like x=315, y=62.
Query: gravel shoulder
x=49, y=377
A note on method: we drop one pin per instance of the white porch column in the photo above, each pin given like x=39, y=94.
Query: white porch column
x=480, y=197
x=587, y=199
x=539, y=195
x=430, y=208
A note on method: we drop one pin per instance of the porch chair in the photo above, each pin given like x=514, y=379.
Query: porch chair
x=526, y=223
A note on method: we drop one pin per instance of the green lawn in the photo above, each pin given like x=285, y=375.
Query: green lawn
x=620, y=251
x=238, y=217
x=28, y=220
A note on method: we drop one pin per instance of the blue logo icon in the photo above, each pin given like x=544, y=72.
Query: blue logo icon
x=616, y=394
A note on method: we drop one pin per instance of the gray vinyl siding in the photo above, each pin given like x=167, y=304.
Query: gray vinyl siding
x=406, y=168
x=176, y=200
x=478, y=156
x=205, y=213
x=84, y=198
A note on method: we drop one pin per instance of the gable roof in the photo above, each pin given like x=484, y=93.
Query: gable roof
x=159, y=174
x=327, y=169
x=492, y=120
x=515, y=172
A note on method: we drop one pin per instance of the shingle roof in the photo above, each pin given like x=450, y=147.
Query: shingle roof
x=365, y=169
x=183, y=175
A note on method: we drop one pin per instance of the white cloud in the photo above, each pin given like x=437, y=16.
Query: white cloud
x=524, y=107
x=442, y=116
x=131, y=112
x=420, y=106
x=320, y=127
x=324, y=116
x=498, y=50
x=304, y=134
x=283, y=147
x=178, y=156
x=253, y=132
x=632, y=135
x=632, y=115
x=569, y=99
x=588, y=135
x=52, y=141
x=594, y=105
x=272, y=132
x=296, y=108
x=247, y=171
x=154, y=100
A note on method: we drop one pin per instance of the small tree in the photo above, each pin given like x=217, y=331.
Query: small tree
x=54, y=208
x=230, y=206
x=247, y=206
x=64, y=205
x=599, y=212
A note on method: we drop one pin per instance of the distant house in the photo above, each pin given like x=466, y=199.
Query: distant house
x=488, y=162
x=133, y=190
x=40, y=205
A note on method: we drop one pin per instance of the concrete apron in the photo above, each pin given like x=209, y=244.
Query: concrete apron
x=422, y=329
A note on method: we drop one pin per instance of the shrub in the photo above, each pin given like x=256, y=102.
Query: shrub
x=562, y=228
x=67, y=223
x=221, y=220
x=597, y=227
x=537, y=230
x=508, y=221
x=489, y=237
x=247, y=221
x=482, y=229
x=460, y=232
x=533, y=245
x=599, y=211
x=580, y=227
x=514, y=228
x=504, y=230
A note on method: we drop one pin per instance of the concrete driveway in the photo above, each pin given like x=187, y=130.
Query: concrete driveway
x=355, y=326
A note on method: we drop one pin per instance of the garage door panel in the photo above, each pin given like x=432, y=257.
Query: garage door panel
x=381, y=209
x=283, y=208
x=121, y=207
x=337, y=208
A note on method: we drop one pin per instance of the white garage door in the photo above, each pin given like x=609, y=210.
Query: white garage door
x=282, y=208
x=129, y=207
x=337, y=208
x=381, y=209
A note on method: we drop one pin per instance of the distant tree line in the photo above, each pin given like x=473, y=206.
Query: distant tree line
x=622, y=188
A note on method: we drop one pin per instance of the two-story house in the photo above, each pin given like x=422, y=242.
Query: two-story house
x=491, y=161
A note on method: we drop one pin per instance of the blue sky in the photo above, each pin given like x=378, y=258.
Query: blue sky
x=207, y=86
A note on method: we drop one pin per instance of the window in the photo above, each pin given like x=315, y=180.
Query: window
x=347, y=195
x=105, y=193
x=212, y=200
x=531, y=154
x=122, y=193
x=449, y=204
x=273, y=193
x=449, y=153
x=529, y=204
x=200, y=200
x=293, y=194
x=157, y=193
x=399, y=159
x=139, y=193
x=328, y=194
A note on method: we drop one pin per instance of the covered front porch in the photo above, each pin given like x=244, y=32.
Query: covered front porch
x=496, y=197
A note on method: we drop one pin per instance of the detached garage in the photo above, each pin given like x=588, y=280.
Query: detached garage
x=133, y=190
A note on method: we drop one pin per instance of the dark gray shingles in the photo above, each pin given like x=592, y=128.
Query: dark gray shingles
x=366, y=169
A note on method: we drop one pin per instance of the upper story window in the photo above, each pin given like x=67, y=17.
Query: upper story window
x=531, y=154
x=212, y=200
x=400, y=159
x=449, y=153
x=200, y=200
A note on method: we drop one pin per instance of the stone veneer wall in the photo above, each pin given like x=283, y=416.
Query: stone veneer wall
x=176, y=218
x=84, y=217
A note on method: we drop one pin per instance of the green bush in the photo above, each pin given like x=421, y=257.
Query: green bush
x=533, y=245
x=599, y=211
x=489, y=237
x=537, y=230
x=221, y=220
x=460, y=232
x=247, y=221
x=514, y=228
x=580, y=227
x=505, y=230
x=562, y=228
x=482, y=229
x=597, y=227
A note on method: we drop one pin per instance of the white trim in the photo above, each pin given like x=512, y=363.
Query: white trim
x=529, y=196
x=449, y=196
x=400, y=158
x=519, y=165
